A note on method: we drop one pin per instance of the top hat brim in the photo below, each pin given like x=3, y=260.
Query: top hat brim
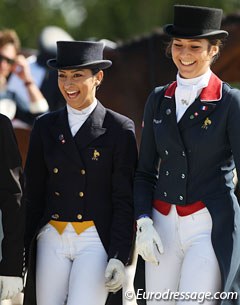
x=100, y=64
x=172, y=31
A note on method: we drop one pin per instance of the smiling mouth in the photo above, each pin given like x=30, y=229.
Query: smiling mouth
x=186, y=63
x=72, y=94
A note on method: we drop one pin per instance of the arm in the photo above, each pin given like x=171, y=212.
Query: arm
x=147, y=239
x=11, y=202
x=233, y=127
x=124, y=164
x=147, y=170
x=38, y=103
x=35, y=183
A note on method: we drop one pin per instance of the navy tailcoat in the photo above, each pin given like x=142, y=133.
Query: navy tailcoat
x=85, y=177
x=11, y=207
x=193, y=160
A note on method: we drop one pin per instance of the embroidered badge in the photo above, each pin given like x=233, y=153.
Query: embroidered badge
x=184, y=102
x=61, y=138
x=206, y=123
x=157, y=121
x=96, y=154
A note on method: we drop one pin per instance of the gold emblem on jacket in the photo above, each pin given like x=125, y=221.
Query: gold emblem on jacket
x=206, y=123
x=96, y=154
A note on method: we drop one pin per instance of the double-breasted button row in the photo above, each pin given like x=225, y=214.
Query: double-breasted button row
x=56, y=216
x=80, y=194
x=167, y=173
x=56, y=170
x=180, y=196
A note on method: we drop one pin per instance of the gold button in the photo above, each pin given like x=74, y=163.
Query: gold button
x=55, y=216
x=57, y=193
x=79, y=216
x=81, y=194
x=83, y=172
x=55, y=170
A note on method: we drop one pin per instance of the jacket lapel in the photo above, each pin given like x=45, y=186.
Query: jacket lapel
x=62, y=136
x=197, y=112
x=92, y=128
x=168, y=117
x=202, y=106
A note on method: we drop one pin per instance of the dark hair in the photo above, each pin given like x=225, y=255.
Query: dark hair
x=212, y=42
x=95, y=71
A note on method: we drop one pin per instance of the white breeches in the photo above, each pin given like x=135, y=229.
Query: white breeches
x=70, y=267
x=189, y=263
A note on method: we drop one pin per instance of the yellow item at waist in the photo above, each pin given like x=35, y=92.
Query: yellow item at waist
x=79, y=227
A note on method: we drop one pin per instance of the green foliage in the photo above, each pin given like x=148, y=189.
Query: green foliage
x=84, y=19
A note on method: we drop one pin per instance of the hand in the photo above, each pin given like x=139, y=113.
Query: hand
x=10, y=286
x=146, y=240
x=22, y=69
x=114, y=275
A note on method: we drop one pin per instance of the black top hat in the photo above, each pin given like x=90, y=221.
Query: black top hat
x=196, y=22
x=79, y=54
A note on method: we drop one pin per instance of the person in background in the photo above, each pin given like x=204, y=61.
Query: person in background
x=11, y=213
x=187, y=214
x=79, y=189
x=44, y=78
x=12, y=62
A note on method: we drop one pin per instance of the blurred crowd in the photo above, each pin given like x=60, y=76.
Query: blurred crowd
x=28, y=87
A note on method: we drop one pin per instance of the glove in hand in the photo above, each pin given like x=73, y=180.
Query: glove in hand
x=114, y=275
x=10, y=286
x=147, y=240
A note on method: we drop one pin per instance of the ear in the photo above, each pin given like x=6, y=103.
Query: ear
x=99, y=77
x=214, y=50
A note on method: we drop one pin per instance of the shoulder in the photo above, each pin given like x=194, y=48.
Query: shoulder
x=5, y=121
x=233, y=94
x=118, y=120
x=6, y=125
x=48, y=117
x=231, y=98
x=154, y=98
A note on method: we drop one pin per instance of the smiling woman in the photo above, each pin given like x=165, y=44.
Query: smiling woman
x=186, y=210
x=79, y=176
x=79, y=86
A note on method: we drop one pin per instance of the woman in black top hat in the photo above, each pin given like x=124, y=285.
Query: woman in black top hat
x=79, y=175
x=187, y=214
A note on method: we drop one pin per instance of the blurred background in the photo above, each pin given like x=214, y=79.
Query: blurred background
x=117, y=20
x=134, y=42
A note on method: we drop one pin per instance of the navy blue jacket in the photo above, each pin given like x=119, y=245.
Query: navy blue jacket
x=11, y=207
x=85, y=177
x=193, y=160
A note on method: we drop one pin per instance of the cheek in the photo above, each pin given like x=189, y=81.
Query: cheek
x=60, y=86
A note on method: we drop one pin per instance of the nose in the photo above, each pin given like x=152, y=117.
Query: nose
x=184, y=51
x=67, y=82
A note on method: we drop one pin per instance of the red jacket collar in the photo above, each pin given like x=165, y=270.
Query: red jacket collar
x=213, y=92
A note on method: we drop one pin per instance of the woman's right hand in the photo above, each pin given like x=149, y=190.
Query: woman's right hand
x=147, y=240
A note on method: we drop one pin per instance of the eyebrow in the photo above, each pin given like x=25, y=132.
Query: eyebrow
x=192, y=40
x=72, y=71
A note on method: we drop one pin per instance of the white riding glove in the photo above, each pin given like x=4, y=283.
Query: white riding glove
x=146, y=240
x=114, y=275
x=10, y=286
